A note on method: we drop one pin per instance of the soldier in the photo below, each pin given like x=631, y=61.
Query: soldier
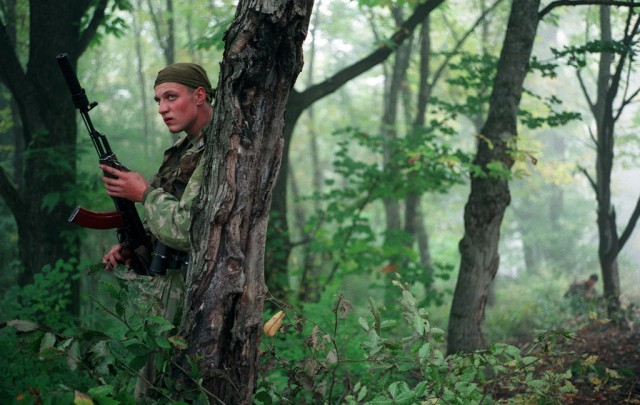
x=184, y=94
x=584, y=290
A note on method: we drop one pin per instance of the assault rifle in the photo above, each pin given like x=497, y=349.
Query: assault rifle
x=125, y=219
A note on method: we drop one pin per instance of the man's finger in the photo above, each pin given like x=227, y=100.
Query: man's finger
x=111, y=170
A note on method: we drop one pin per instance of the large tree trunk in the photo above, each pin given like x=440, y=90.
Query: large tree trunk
x=225, y=282
x=490, y=194
x=42, y=198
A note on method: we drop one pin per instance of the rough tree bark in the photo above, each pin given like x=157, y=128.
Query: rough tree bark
x=490, y=195
x=225, y=282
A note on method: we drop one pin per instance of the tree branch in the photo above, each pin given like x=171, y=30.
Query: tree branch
x=593, y=183
x=628, y=41
x=560, y=3
x=89, y=33
x=320, y=90
x=626, y=102
x=11, y=72
x=9, y=193
x=461, y=41
x=630, y=226
x=583, y=87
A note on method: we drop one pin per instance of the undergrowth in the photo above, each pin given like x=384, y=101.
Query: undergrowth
x=326, y=353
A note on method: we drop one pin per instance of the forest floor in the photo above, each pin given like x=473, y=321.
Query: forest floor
x=605, y=364
x=617, y=350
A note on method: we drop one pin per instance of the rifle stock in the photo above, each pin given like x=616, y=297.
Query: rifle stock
x=131, y=232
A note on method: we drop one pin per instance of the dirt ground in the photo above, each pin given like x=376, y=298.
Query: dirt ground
x=618, y=350
x=604, y=361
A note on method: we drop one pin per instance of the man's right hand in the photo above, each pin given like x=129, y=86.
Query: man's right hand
x=115, y=256
x=129, y=185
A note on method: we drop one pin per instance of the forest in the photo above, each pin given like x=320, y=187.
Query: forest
x=404, y=202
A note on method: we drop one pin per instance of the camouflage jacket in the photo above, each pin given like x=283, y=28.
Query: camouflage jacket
x=167, y=201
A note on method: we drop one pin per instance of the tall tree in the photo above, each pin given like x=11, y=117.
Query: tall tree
x=395, y=79
x=41, y=198
x=490, y=195
x=225, y=282
x=610, y=79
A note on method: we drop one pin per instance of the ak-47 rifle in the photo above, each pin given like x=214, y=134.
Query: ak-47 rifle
x=131, y=232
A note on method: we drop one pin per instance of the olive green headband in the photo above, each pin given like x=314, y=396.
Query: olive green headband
x=189, y=74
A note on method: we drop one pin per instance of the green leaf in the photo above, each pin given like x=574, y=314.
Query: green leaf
x=138, y=349
x=23, y=326
x=419, y=325
x=103, y=395
x=138, y=362
x=179, y=342
x=388, y=324
x=50, y=201
x=362, y=393
x=47, y=342
x=163, y=342
x=73, y=355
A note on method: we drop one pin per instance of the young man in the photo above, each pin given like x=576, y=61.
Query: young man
x=183, y=93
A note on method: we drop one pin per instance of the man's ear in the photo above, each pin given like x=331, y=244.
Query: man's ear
x=200, y=95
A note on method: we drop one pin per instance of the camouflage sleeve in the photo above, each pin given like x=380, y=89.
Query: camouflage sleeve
x=169, y=218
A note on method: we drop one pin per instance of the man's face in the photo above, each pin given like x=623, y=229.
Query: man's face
x=178, y=106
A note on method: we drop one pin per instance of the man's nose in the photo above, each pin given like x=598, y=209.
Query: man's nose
x=162, y=107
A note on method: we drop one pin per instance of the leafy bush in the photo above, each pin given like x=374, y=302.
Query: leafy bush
x=48, y=366
x=399, y=361
x=367, y=359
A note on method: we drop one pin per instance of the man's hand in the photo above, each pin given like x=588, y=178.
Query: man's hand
x=116, y=255
x=129, y=185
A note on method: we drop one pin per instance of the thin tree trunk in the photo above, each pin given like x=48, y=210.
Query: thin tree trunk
x=393, y=91
x=414, y=219
x=141, y=80
x=309, y=283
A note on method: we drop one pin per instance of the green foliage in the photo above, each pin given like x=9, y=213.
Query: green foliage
x=45, y=300
x=100, y=363
x=213, y=38
x=470, y=77
x=398, y=361
x=345, y=229
x=576, y=56
x=114, y=24
x=33, y=365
